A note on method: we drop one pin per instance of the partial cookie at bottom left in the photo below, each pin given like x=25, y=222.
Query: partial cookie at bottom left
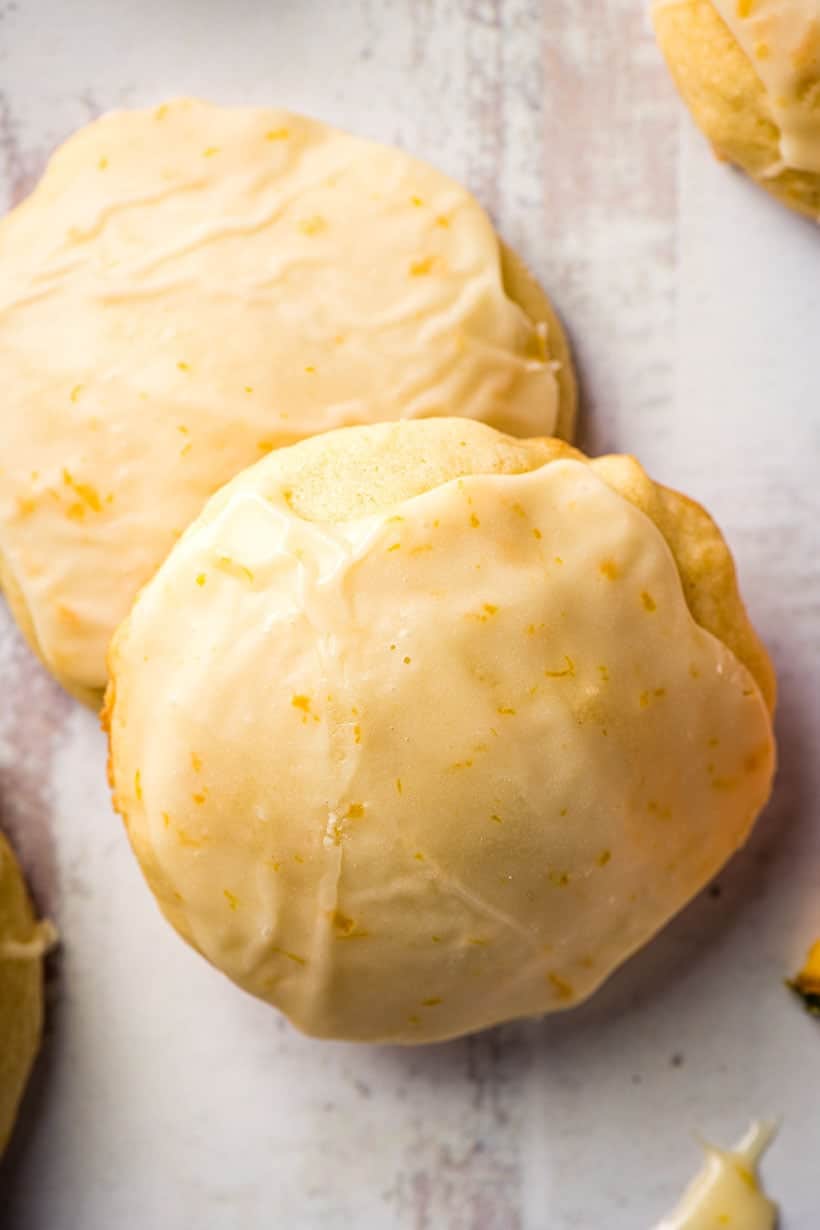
x=23, y=944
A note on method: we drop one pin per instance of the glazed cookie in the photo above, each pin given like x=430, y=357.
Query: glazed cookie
x=191, y=287
x=750, y=72
x=23, y=943
x=451, y=723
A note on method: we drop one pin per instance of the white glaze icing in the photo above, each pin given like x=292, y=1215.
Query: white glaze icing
x=726, y=1194
x=412, y=774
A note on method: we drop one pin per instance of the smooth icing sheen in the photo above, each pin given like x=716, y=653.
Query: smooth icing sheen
x=781, y=38
x=412, y=774
x=191, y=287
x=726, y=1194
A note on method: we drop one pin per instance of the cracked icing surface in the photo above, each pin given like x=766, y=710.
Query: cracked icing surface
x=727, y=1194
x=191, y=287
x=446, y=755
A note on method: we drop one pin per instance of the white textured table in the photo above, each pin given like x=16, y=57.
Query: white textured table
x=167, y=1099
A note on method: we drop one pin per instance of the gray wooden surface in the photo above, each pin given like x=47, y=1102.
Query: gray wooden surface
x=165, y=1097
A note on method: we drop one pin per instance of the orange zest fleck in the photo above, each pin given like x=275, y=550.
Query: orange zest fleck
x=568, y=671
x=560, y=986
x=291, y=956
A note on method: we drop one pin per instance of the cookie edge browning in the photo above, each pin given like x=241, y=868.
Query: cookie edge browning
x=524, y=289
x=704, y=562
x=21, y=614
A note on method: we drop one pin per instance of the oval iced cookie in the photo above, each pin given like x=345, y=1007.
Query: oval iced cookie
x=421, y=727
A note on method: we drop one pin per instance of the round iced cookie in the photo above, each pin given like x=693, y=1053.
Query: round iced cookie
x=191, y=287
x=421, y=727
x=22, y=944
x=750, y=72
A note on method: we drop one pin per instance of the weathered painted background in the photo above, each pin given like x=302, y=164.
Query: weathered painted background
x=167, y=1099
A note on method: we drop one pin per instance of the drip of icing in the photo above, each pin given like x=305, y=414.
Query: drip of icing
x=781, y=39
x=727, y=1193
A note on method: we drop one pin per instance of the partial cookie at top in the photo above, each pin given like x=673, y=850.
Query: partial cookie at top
x=191, y=287
x=452, y=723
x=750, y=72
